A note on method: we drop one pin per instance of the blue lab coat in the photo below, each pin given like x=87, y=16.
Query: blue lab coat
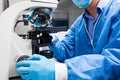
x=96, y=58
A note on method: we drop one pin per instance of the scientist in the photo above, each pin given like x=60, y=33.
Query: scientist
x=89, y=51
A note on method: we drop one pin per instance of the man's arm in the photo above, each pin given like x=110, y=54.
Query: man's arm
x=105, y=66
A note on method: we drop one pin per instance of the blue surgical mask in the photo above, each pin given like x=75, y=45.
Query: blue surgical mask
x=82, y=3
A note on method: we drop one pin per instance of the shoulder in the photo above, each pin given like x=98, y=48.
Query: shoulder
x=77, y=23
x=78, y=20
x=116, y=4
x=113, y=9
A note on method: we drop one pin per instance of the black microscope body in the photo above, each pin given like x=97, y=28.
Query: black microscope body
x=41, y=29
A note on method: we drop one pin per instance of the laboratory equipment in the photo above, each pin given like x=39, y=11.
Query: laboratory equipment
x=13, y=47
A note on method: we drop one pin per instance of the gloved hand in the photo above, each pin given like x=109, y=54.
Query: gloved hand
x=37, y=67
x=54, y=38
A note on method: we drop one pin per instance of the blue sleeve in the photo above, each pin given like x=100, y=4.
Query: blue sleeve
x=105, y=66
x=65, y=49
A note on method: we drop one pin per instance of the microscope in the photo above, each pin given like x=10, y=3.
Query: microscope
x=14, y=47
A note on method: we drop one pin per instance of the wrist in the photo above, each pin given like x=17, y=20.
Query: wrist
x=60, y=71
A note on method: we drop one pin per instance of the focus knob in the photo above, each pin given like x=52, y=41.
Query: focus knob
x=23, y=57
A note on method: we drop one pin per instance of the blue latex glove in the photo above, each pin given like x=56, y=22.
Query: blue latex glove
x=54, y=38
x=37, y=67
